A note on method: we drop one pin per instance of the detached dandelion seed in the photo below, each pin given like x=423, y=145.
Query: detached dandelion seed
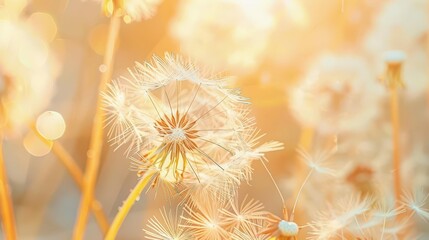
x=167, y=227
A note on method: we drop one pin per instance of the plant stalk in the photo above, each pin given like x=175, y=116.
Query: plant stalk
x=76, y=173
x=94, y=152
x=7, y=214
x=127, y=204
x=394, y=111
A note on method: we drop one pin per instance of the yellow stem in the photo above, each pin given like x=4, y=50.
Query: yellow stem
x=77, y=176
x=7, y=215
x=292, y=215
x=305, y=142
x=394, y=111
x=128, y=203
x=94, y=152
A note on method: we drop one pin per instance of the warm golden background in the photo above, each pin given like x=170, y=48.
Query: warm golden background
x=46, y=199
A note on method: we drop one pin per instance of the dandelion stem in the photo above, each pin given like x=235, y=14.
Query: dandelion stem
x=275, y=184
x=76, y=173
x=7, y=215
x=77, y=176
x=394, y=111
x=383, y=229
x=305, y=142
x=292, y=215
x=94, y=153
x=127, y=204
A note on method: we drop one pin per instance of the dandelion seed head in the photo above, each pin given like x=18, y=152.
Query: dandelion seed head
x=204, y=222
x=319, y=161
x=335, y=221
x=390, y=31
x=181, y=120
x=244, y=29
x=236, y=214
x=338, y=94
x=167, y=227
x=250, y=231
x=417, y=202
x=27, y=74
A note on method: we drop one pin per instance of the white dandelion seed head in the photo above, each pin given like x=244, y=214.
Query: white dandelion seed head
x=339, y=217
x=205, y=221
x=236, y=41
x=417, y=202
x=237, y=214
x=394, y=56
x=390, y=31
x=181, y=120
x=250, y=231
x=415, y=72
x=338, y=94
x=28, y=71
x=167, y=227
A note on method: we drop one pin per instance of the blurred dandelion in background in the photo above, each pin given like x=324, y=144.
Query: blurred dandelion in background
x=339, y=95
x=28, y=72
x=245, y=29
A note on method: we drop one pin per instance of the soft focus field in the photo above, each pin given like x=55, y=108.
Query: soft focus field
x=339, y=92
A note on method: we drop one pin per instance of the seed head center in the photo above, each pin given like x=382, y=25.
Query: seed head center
x=176, y=135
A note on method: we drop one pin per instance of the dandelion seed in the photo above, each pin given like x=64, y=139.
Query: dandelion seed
x=205, y=223
x=334, y=222
x=222, y=184
x=318, y=161
x=168, y=227
x=249, y=210
x=416, y=202
x=250, y=231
